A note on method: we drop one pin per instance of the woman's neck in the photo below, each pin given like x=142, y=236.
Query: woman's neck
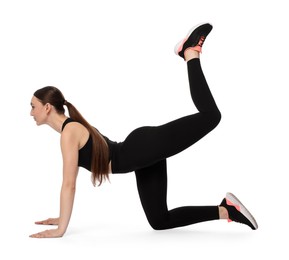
x=56, y=121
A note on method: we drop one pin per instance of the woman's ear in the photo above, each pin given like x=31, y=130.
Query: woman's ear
x=48, y=107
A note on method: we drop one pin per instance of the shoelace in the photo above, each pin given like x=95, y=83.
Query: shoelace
x=201, y=41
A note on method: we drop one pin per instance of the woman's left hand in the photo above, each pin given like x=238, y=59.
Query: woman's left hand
x=50, y=233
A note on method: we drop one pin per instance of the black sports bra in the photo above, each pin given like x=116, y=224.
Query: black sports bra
x=84, y=154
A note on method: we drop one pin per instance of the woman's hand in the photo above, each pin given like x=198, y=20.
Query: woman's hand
x=49, y=221
x=48, y=234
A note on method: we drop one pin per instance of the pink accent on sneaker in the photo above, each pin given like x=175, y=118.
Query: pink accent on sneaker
x=198, y=48
x=232, y=204
x=180, y=45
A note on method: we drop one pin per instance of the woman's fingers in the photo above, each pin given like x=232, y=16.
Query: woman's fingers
x=49, y=221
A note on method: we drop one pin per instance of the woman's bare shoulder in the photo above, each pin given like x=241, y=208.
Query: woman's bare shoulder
x=76, y=133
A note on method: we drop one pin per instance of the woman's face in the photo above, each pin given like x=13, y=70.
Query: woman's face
x=38, y=111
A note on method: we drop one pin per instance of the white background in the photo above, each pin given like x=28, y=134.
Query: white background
x=114, y=61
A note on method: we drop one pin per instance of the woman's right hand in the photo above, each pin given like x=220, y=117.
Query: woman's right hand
x=49, y=221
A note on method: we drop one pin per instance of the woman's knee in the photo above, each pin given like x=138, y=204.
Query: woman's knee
x=214, y=118
x=157, y=225
x=217, y=117
x=158, y=222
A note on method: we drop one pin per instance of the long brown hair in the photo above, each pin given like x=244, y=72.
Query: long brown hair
x=100, y=152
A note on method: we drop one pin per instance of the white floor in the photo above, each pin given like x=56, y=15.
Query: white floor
x=114, y=61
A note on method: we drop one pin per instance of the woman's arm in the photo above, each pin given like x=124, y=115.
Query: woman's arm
x=69, y=148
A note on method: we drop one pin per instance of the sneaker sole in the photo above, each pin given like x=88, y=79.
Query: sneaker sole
x=180, y=44
x=231, y=197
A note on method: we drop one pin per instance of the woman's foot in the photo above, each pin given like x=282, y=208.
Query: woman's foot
x=236, y=211
x=194, y=40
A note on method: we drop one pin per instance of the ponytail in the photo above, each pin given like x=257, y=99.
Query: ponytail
x=100, y=152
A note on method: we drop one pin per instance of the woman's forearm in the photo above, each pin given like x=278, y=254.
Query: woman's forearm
x=66, y=205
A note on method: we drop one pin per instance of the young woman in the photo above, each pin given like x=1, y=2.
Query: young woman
x=144, y=151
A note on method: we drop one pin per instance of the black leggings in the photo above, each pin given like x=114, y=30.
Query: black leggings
x=145, y=151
